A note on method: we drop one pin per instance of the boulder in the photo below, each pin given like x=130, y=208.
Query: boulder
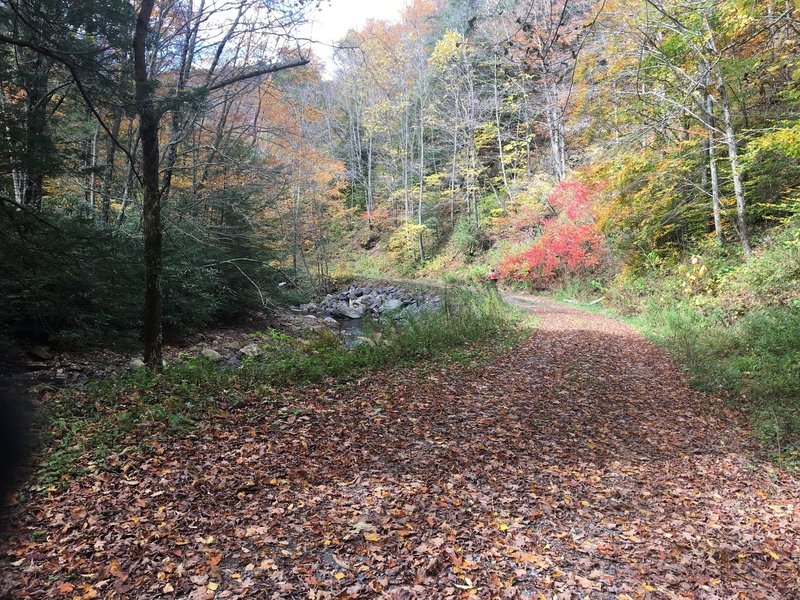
x=412, y=309
x=391, y=304
x=364, y=301
x=211, y=355
x=136, y=364
x=351, y=312
x=250, y=350
x=356, y=300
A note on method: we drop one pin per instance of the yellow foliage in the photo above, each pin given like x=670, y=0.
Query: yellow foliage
x=404, y=243
x=446, y=50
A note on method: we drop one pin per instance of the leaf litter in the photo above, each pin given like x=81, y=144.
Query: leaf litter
x=578, y=465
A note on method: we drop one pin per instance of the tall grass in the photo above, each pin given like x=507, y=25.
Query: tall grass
x=463, y=318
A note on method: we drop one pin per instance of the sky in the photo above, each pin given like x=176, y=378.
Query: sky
x=336, y=17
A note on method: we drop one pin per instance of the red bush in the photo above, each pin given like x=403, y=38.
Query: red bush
x=569, y=245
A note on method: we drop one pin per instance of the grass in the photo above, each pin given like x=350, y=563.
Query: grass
x=98, y=427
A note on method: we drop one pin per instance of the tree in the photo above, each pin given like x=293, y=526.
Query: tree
x=88, y=45
x=150, y=114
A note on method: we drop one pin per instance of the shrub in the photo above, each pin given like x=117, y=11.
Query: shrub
x=405, y=243
x=68, y=280
x=470, y=239
x=569, y=245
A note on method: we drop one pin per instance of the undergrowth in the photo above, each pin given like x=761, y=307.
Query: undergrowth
x=97, y=427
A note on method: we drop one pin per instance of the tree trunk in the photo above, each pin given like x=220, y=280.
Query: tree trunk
x=712, y=166
x=733, y=147
x=369, y=182
x=35, y=141
x=555, y=141
x=151, y=207
x=17, y=178
x=453, y=175
x=421, y=175
x=736, y=171
x=406, y=163
x=91, y=163
x=108, y=177
x=500, y=139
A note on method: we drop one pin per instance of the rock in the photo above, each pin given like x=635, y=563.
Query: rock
x=40, y=352
x=370, y=242
x=211, y=355
x=391, y=304
x=351, y=312
x=136, y=364
x=331, y=321
x=363, y=301
x=413, y=309
x=250, y=350
x=358, y=299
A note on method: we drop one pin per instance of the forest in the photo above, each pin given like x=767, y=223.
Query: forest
x=500, y=298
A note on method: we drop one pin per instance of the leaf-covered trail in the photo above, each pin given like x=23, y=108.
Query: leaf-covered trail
x=577, y=465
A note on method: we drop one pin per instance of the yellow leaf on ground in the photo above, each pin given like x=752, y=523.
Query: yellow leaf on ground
x=339, y=575
x=371, y=536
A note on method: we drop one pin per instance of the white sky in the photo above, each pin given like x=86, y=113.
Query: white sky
x=336, y=17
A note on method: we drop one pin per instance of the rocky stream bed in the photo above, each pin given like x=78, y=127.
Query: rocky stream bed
x=341, y=312
x=361, y=299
